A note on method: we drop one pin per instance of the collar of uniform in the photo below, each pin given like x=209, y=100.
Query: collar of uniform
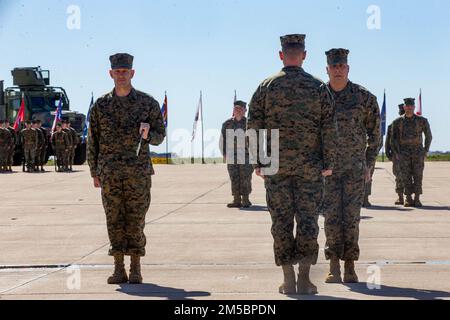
x=292, y=68
x=243, y=119
x=349, y=86
x=132, y=95
x=409, y=119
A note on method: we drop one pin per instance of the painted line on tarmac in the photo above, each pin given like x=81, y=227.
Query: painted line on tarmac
x=57, y=269
x=28, y=268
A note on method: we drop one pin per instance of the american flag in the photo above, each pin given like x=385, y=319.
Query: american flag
x=165, y=111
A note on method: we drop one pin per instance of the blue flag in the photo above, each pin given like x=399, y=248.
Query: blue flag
x=383, y=116
x=86, y=124
x=58, y=115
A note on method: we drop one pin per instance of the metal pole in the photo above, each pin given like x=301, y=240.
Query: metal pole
x=167, y=147
x=203, y=141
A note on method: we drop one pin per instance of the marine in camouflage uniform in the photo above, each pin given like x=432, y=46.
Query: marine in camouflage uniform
x=68, y=153
x=359, y=140
x=399, y=188
x=60, y=144
x=43, y=152
x=10, y=155
x=41, y=145
x=408, y=146
x=239, y=169
x=29, y=139
x=116, y=121
x=6, y=143
x=300, y=107
x=75, y=141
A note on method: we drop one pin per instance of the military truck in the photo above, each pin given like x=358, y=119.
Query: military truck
x=41, y=102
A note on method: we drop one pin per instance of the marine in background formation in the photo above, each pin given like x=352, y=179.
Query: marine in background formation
x=30, y=142
x=410, y=150
x=238, y=163
x=399, y=187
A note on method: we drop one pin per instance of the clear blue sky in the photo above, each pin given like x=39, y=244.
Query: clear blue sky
x=219, y=46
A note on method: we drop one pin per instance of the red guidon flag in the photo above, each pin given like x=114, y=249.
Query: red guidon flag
x=20, y=115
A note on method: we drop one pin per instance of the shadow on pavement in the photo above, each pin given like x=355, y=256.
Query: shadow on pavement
x=255, y=208
x=315, y=297
x=435, y=208
x=153, y=290
x=395, y=292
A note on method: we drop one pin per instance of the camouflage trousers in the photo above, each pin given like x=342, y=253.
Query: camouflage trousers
x=40, y=156
x=343, y=199
x=368, y=187
x=72, y=155
x=38, y=159
x=10, y=156
x=30, y=156
x=396, y=170
x=241, y=179
x=289, y=199
x=68, y=156
x=126, y=202
x=411, y=168
x=43, y=156
x=61, y=158
x=4, y=153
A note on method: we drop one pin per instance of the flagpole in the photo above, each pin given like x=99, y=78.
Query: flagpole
x=203, y=140
x=192, y=151
x=192, y=141
x=382, y=135
x=382, y=153
x=167, y=130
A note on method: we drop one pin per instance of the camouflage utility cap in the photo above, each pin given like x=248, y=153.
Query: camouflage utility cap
x=337, y=56
x=241, y=104
x=293, y=41
x=121, y=61
x=410, y=102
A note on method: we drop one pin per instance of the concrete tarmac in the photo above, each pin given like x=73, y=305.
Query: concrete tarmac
x=54, y=243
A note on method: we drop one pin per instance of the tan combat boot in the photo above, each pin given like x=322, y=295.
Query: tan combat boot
x=417, y=202
x=246, y=202
x=409, y=201
x=400, y=201
x=335, y=272
x=119, y=275
x=135, y=270
x=304, y=284
x=349, y=272
x=288, y=285
x=236, y=202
